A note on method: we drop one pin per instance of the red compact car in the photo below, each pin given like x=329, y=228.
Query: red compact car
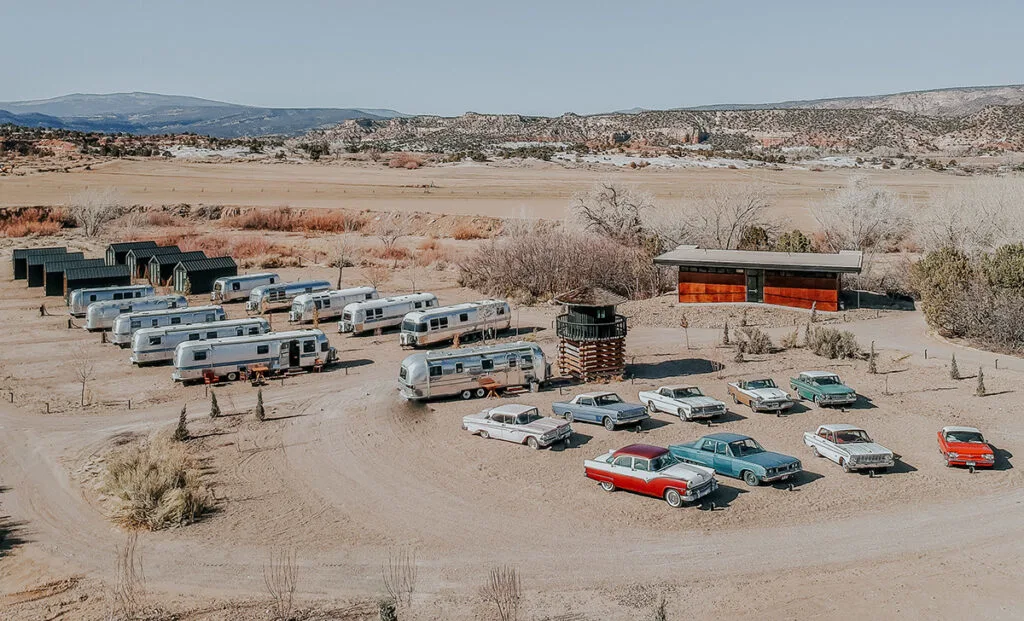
x=965, y=446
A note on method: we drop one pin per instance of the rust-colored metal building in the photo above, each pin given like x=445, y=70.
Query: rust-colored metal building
x=799, y=279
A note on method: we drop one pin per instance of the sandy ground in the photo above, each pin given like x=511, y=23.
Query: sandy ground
x=533, y=189
x=344, y=471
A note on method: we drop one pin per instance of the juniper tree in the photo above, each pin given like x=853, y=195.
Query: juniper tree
x=743, y=318
x=181, y=433
x=261, y=414
x=872, y=364
x=214, y=408
x=980, y=390
x=954, y=371
x=725, y=333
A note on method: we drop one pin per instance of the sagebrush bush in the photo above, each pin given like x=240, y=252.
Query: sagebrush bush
x=468, y=231
x=290, y=220
x=791, y=340
x=32, y=221
x=410, y=161
x=155, y=484
x=754, y=341
x=831, y=343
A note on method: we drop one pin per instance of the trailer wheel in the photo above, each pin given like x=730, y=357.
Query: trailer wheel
x=480, y=393
x=466, y=395
x=232, y=376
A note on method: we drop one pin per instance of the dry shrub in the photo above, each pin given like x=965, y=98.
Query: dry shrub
x=329, y=222
x=409, y=161
x=429, y=243
x=832, y=343
x=155, y=484
x=467, y=231
x=791, y=340
x=160, y=218
x=504, y=591
x=753, y=341
x=33, y=221
x=92, y=210
x=289, y=220
x=277, y=219
x=250, y=246
x=434, y=256
x=395, y=253
x=272, y=261
x=537, y=261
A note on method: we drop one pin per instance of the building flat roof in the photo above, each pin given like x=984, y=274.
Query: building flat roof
x=846, y=261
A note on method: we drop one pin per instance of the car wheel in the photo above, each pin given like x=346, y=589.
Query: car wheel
x=751, y=479
x=683, y=415
x=607, y=486
x=232, y=376
x=480, y=393
x=814, y=450
x=845, y=464
x=484, y=434
x=466, y=395
x=532, y=442
x=817, y=401
x=735, y=400
x=650, y=407
x=673, y=498
x=568, y=417
x=608, y=424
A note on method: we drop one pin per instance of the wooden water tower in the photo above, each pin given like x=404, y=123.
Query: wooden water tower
x=591, y=336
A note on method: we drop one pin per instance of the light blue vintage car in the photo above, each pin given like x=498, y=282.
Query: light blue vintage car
x=737, y=456
x=603, y=408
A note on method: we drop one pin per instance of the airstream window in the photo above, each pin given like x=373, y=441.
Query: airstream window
x=309, y=347
x=487, y=364
x=211, y=335
x=253, y=330
x=92, y=298
x=501, y=310
x=138, y=294
x=273, y=280
x=369, y=296
x=154, y=340
x=463, y=317
x=237, y=286
x=136, y=324
x=117, y=296
x=325, y=346
x=458, y=367
x=418, y=305
x=193, y=336
x=527, y=362
x=211, y=317
x=435, y=371
x=175, y=321
x=512, y=361
x=199, y=355
x=239, y=332
x=263, y=349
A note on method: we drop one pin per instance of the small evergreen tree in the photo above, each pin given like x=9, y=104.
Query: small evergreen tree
x=725, y=333
x=872, y=364
x=808, y=336
x=980, y=390
x=739, y=353
x=814, y=312
x=743, y=319
x=261, y=414
x=954, y=371
x=214, y=408
x=181, y=433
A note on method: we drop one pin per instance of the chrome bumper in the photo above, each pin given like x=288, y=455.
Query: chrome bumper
x=696, y=494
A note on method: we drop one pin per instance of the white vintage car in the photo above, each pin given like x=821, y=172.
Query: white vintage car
x=518, y=423
x=850, y=447
x=685, y=401
x=762, y=395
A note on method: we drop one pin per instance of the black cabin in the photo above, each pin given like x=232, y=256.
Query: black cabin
x=19, y=259
x=36, y=262
x=198, y=276
x=97, y=276
x=53, y=272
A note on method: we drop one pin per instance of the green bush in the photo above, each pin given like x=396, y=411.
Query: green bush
x=754, y=341
x=833, y=344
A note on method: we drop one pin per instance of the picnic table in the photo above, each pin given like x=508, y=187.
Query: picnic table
x=257, y=374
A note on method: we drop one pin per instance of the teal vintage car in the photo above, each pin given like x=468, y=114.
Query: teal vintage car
x=738, y=456
x=823, y=388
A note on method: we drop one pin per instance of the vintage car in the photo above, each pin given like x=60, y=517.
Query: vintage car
x=685, y=401
x=603, y=408
x=652, y=471
x=850, y=447
x=823, y=388
x=517, y=423
x=762, y=395
x=965, y=446
x=737, y=456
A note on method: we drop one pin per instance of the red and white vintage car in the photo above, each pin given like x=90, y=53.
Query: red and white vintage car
x=965, y=446
x=652, y=471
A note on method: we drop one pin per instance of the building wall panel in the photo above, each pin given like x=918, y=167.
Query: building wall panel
x=802, y=292
x=696, y=287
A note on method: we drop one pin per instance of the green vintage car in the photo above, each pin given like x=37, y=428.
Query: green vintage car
x=823, y=388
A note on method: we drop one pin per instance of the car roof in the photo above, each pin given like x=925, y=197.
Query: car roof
x=818, y=373
x=646, y=451
x=679, y=386
x=726, y=437
x=842, y=427
x=755, y=379
x=595, y=394
x=955, y=428
x=512, y=408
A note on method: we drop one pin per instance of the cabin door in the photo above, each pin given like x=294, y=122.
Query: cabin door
x=294, y=354
x=755, y=285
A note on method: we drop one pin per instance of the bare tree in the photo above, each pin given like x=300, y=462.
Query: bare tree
x=343, y=248
x=613, y=210
x=390, y=229
x=280, y=576
x=716, y=218
x=84, y=368
x=981, y=215
x=131, y=580
x=93, y=209
x=863, y=217
x=505, y=591
x=377, y=275
x=400, y=573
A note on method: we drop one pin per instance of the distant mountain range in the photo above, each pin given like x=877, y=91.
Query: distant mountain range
x=150, y=113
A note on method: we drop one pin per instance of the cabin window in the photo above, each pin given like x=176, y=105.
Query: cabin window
x=458, y=367
x=487, y=364
x=236, y=286
x=463, y=317
x=136, y=324
x=309, y=347
x=435, y=371
x=624, y=461
x=138, y=294
x=263, y=349
x=199, y=355
x=154, y=340
x=175, y=321
x=195, y=336
x=601, y=313
x=211, y=335
x=586, y=401
x=252, y=330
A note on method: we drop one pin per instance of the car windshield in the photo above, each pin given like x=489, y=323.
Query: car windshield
x=827, y=380
x=607, y=399
x=683, y=393
x=746, y=446
x=964, y=436
x=762, y=383
x=852, y=436
x=665, y=460
x=526, y=418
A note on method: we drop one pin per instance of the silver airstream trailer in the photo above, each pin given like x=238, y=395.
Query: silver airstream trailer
x=449, y=372
x=228, y=357
x=101, y=315
x=237, y=288
x=156, y=345
x=327, y=303
x=382, y=313
x=80, y=299
x=281, y=295
x=444, y=323
x=126, y=325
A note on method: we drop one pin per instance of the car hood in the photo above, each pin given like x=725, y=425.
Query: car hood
x=700, y=402
x=622, y=407
x=969, y=448
x=693, y=475
x=769, y=394
x=544, y=425
x=769, y=459
x=865, y=448
x=833, y=389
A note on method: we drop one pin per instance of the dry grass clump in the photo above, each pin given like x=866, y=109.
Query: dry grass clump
x=409, y=161
x=289, y=220
x=753, y=341
x=394, y=253
x=160, y=218
x=155, y=484
x=467, y=231
x=250, y=246
x=832, y=343
x=33, y=221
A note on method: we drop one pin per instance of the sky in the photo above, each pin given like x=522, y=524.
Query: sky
x=543, y=58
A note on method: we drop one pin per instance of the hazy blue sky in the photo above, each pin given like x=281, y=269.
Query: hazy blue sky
x=431, y=56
